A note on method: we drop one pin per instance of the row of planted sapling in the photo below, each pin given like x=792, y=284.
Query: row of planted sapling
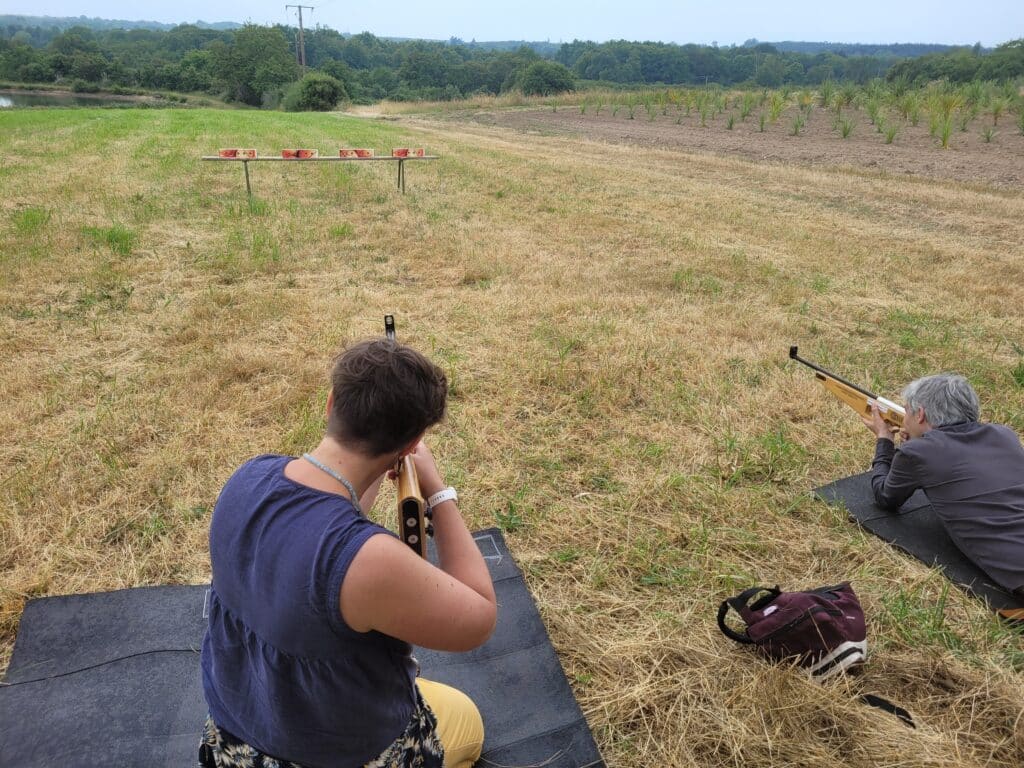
x=887, y=107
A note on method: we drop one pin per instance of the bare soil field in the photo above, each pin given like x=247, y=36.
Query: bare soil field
x=968, y=159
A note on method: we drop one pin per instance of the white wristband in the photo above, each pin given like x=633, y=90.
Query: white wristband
x=448, y=494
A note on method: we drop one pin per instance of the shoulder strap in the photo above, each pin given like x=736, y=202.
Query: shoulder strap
x=887, y=706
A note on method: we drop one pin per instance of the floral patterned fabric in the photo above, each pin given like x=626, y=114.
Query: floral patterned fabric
x=418, y=747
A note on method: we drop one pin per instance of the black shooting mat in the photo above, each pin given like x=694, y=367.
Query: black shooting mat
x=916, y=530
x=113, y=679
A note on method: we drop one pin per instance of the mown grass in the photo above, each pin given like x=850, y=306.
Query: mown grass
x=615, y=326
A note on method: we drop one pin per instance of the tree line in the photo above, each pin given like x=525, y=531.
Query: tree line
x=964, y=65
x=257, y=65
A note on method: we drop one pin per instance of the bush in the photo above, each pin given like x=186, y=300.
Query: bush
x=81, y=86
x=544, y=78
x=35, y=72
x=316, y=92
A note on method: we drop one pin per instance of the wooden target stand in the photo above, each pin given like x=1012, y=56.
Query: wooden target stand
x=401, y=161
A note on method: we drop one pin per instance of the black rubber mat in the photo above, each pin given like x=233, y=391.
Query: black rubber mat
x=112, y=679
x=916, y=530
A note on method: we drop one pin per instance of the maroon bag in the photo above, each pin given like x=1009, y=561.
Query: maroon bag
x=822, y=629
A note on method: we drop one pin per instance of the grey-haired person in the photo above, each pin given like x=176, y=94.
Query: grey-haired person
x=971, y=472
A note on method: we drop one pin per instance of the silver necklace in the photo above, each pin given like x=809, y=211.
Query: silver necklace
x=348, y=486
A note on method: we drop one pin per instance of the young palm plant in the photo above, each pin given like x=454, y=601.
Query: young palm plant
x=945, y=130
x=967, y=114
x=798, y=124
x=826, y=93
x=747, y=104
x=909, y=106
x=997, y=106
x=873, y=108
x=847, y=95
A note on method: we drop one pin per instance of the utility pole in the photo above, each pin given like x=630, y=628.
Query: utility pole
x=302, y=39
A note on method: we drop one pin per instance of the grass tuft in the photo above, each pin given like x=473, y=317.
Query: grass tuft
x=118, y=238
x=31, y=221
x=1018, y=374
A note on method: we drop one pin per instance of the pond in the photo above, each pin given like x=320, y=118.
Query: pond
x=13, y=99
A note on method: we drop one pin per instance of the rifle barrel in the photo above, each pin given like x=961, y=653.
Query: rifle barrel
x=793, y=354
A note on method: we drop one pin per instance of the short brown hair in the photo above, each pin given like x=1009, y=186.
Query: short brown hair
x=385, y=394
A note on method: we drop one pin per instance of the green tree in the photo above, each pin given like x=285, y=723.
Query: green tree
x=15, y=58
x=380, y=83
x=424, y=67
x=771, y=72
x=88, y=66
x=543, y=78
x=341, y=72
x=195, y=71
x=35, y=73
x=255, y=66
x=76, y=39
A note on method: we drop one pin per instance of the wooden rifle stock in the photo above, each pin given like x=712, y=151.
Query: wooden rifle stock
x=856, y=397
x=412, y=507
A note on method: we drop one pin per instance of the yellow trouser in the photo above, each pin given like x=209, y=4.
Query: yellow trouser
x=459, y=725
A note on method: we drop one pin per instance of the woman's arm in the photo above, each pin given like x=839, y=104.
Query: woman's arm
x=390, y=589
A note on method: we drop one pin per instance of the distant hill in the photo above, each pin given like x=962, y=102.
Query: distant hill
x=66, y=22
x=889, y=50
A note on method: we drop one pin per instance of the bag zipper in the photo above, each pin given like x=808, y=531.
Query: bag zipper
x=809, y=613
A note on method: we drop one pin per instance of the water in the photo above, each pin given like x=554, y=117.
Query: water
x=14, y=99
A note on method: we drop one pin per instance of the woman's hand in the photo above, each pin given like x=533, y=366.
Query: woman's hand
x=426, y=470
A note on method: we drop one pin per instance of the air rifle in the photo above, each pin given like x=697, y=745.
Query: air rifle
x=412, y=507
x=856, y=397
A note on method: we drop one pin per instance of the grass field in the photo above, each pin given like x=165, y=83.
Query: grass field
x=615, y=325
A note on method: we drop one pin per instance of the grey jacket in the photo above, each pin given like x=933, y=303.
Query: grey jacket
x=973, y=475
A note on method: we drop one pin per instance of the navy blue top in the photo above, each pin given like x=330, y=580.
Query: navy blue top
x=973, y=475
x=282, y=670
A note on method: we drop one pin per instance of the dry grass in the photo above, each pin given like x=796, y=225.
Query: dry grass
x=615, y=326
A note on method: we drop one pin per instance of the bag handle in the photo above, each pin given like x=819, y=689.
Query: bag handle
x=726, y=629
x=737, y=603
x=743, y=598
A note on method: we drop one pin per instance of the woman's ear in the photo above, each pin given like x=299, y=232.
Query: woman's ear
x=330, y=403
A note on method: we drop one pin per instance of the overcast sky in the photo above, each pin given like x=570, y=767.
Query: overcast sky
x=684, y=21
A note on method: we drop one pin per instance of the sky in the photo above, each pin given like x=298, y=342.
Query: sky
x=725, y=22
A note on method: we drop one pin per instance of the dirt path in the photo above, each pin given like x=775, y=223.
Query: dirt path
x=969, y=158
